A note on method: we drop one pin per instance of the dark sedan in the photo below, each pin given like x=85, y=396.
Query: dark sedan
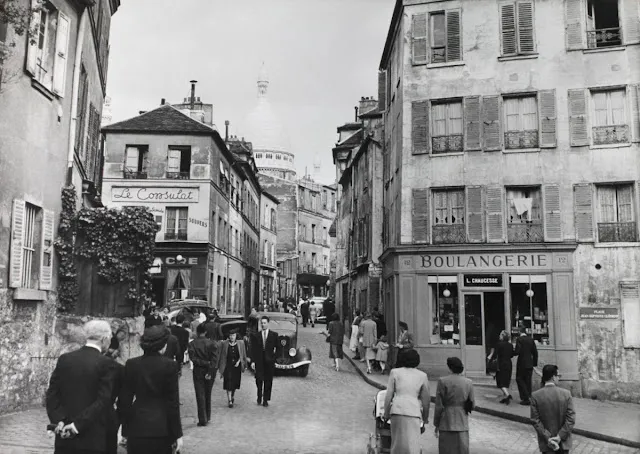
x=288, y=355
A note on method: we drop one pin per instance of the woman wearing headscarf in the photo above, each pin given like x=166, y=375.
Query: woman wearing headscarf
x=504, y=352
x=454, y=402
x=149, y=399
x=406, y=403
x=231, y=363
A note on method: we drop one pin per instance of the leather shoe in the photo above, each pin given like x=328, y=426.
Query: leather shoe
x=525, y=402
x=201, y=424
x=265, y=404
x=259, y=401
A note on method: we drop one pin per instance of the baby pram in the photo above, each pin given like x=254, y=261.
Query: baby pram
x=380, y=441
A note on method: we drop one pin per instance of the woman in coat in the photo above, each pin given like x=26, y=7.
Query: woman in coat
x=404, y=342
x=504, y=352
x=407, y=403
x=335, y=337
x=353, y=341
x=369, y=333
x=231, y=363
x=149, y=400
x=454, y=402
x=313, y=312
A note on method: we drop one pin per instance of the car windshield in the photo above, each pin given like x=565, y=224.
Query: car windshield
x=282, y=325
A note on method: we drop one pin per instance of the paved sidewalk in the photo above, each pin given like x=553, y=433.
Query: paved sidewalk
x=613, y=422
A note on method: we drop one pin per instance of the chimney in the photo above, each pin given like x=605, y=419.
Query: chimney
x=162, y=102
x=140, y=112
x=226, y=130
x=367, y=104
x=193, y=93
x=356, y=109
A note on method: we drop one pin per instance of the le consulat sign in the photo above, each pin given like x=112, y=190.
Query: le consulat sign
x=150, y=194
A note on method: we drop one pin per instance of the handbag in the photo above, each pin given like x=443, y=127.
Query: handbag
x=492, y=365
x=328, y=339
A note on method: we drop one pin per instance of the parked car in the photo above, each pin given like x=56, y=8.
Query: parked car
x=186, y=308
x=318, y=301
x=288, y=355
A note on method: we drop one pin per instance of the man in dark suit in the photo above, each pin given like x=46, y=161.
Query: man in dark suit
x=80, y=393
x=181, y=334
x=204, y=353
x=214, y=329
x=263, y=360
x=552, y=413
x=527, y=359
x=114, y=418
x=304, y=312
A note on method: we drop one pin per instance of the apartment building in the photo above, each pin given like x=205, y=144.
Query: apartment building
x=268, y=241
x=511, y=176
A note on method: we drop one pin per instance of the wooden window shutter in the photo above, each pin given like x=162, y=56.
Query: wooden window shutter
x=552, y=216
x=508, y=29
x=491, y=123
x=578, y=130
x=420, y=126
x=574, y=18
x=454, y=46
x=548, y=118
x=583, y=206
x=474, y=198
x=17, y=241
x=46, y=261
x=472, y=123
x=631, y=21
x=634, y=97
x=419, y=39
x=630, y=302
x=60, y=58
x=495, y=214
x=420, y=216
x=637, y=195
x=526, y=36
x=32, y=45
x=382, y=90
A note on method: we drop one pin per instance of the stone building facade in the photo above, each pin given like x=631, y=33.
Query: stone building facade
x=268, y=241
x=511, y=176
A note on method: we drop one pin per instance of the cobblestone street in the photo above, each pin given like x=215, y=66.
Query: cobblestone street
x=325, y=412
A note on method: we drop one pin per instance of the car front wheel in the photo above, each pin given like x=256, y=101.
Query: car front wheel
x=304, y=370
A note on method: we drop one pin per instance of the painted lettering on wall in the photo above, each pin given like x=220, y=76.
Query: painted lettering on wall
x=197, y=222
x=153, y=194
x=183, y=261
x=488, y=261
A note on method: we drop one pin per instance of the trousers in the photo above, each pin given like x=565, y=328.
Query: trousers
x=264, y=382
x=203, y=390
x=523, y=380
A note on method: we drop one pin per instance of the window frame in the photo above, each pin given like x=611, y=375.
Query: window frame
x=503, y=118
x=626, y=126
x=632, y=203
x=432, y=119
x=517, y=31
x=175, y=231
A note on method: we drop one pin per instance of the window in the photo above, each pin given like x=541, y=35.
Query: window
x=441, y=34
x=179, y=163
x=324, y=235
x=30, y=240
x=448, y=219
x=616, y=217
x=278, y=156
x=530, y=312
x=134, y=161
x=176, y=228
x=609, y=118
x=273, y=219
x=268, y=156
x=158, y=220
x=47, y=55
x=520, y=122
x=524, y=215
x=603, y=25
x=443, y=313
x=313, y=233
x=446, y=133
x=219, y=234
x=516, y=27
x=258, y=155
x=83, y=90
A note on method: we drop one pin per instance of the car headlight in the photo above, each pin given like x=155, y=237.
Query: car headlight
x=292, y=352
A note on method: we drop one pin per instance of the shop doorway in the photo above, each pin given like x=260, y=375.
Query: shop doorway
x=484, y=319
x=157, y=290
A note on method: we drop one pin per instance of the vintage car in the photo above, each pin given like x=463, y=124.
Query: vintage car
x=186, y=307
x=288, y=355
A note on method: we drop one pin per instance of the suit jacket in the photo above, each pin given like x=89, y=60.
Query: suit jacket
x=304, y=309
x=204, y=353
x=173, y=349
x=182, y=335
x=224, y=350
x=369, y=332
x=527, y=353
x=453, y=392
x=407, y=394
x=405, y=339
x=80, y=392
x=552, y=414
x=214, y=331
x=153, y=380
x=263, y=354
x=114, y=411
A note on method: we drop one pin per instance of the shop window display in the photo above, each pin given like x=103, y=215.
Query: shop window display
x=445, y=323
x=529, y=308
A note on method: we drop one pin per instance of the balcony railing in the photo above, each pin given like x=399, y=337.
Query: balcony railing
x=604, y=37
x=607, y=135
x=178, y=175
x=514, y=140
x=446, y=144
x=134, y=175
x=525, y=233
x=175, y=236
x=617, y=232
x=310, y=269
x=449, y=234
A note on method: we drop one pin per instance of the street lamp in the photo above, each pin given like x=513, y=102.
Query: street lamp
x=179, y=258
x=529, y=293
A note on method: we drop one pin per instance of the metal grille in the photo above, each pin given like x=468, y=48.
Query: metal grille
x=449, y=234
x=134, y=175
x=612, y=232
x=282, y=351
x=446, y=144
x=29, y=244
x=604, y=37
x=178, y=175
x=604, y=135
x=514, y=140
x=525, y=233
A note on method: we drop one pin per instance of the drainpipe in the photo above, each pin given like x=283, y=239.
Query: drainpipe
x=74, y=94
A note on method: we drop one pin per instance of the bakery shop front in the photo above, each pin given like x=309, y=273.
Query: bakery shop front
x=457, y=303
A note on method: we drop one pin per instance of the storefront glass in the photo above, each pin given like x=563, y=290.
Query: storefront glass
x=530, y=310
x=445, y=323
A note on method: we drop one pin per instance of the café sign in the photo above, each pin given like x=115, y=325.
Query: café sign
x=150, y=194
x=478, y=262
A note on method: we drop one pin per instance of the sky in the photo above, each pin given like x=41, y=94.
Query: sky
x=322, y=56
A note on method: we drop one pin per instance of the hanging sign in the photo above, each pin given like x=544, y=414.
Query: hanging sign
x=482, y=280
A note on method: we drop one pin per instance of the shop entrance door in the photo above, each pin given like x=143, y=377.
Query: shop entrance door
x=484, y=319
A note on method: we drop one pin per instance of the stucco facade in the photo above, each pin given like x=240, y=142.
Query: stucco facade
x=268, y=241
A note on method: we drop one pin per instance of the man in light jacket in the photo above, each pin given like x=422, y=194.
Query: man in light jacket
x=369, y=334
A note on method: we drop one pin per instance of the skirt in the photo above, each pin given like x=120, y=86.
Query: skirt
x=353, y=342
x=453, y=442
x=503, y=376
x=335, y=351
x=369, y=353
x=382, y=355
x=231, y=378
x=405, y=435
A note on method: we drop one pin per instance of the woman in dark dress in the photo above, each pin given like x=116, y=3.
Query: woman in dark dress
x=504, y=352
x=335, y=337
x=232, y=362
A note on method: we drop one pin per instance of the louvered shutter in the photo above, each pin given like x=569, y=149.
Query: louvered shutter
x=526, y=38
x=552, y=217
x=630, y=302
x=548, y=118
x=578, y=130
x=454, y=47
x=420, y=215
x=491, y=123
x=32, y=44
x=495, y=214
x=382, y=90
x=60, y=58
x=419, y=39
x=631, y=21
x=420, y=126
x=637, y=217
x=472, y=123
x=46, y=260
x=508, y=29
x=634, y=99
x=475, y=214
x=17, y=242
x=583, y=207
x=574, y=19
